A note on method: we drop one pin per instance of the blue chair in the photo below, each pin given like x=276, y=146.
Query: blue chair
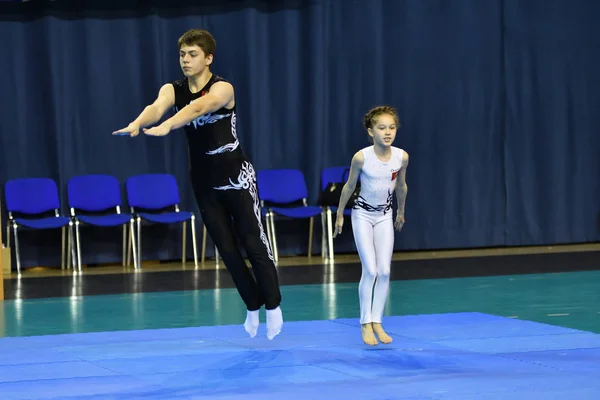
x=278, y=189
x=33, y=203
x=149, y=197
x=331, y=175
x=95, y=200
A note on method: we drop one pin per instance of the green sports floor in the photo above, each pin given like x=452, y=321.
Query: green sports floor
x=563, y=295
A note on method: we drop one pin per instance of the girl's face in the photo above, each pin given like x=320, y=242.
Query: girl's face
x=383, y=130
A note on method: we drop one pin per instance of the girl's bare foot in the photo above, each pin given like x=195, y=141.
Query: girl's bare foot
x=367, y=335
x=383, y=337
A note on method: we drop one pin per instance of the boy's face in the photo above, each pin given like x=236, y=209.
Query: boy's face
x=192, y=60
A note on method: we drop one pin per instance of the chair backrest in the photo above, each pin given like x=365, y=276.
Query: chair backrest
x=31, y=195
x=334, y=175
x=281, y=186
x=152, y=191
x=94, y=192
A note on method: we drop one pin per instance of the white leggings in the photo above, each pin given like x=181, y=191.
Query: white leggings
x=374, y=238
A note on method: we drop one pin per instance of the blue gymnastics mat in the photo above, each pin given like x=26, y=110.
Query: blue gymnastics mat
x=441, y=356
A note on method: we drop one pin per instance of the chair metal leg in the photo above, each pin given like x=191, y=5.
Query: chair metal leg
x=70, y=260
x=269, y=233
x=271, y=220
x=324, y=245
x=204, y=237
x=62, y=248
x=139, y=242
x=132, y=242
x=124, y=259
x=204, y=234
x=8, y=224
x=183, y=242
x=17, y=254
x=78, y=244
x=330, y=235
x=193, y=223
x=71, y=248
x=310, y=235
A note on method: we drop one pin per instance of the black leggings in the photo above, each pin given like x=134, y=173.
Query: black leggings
x=233, y=209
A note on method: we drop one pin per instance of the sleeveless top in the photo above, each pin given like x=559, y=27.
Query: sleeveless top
x=215, y=153
x=378, y=181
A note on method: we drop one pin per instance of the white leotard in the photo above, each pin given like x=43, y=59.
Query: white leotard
x=373, y=230
x=377, y=182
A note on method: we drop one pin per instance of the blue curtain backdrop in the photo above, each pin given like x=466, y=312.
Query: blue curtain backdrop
x=499, y=103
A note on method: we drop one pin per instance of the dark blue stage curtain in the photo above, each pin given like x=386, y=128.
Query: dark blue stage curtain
x=499, y=103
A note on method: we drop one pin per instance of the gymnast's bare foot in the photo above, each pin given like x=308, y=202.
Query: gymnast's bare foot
x=367, y=334
x=381, y=334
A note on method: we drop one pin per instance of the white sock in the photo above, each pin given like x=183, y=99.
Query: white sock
x=274, y=322
x=251, y=324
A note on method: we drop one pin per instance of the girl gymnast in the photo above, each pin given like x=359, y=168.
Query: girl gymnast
x=382, y=171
